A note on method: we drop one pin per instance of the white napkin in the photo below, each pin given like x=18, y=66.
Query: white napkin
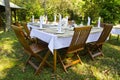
x=81, y=24
x=41, y=21
x=88, y=21
x=54, y=17
x=99, y=22
x=44, y=19
x=64, y=22
x=59, y=25
x=32, y=18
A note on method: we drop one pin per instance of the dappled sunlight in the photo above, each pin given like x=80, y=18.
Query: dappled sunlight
x=2, y=75
x=100, y=75
x=7, y=45
x=5, y=64
x=1, y=32
x=12, y=60
x=115, y=47
x=7, y=49
x=79, y=68
x=87, y=69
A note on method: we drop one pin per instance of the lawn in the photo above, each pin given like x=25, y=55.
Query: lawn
x=12, y=58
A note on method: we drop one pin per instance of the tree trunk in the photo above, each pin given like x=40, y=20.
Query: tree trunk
x=8, y=15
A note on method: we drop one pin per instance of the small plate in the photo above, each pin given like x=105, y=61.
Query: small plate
x=59, y=32
x=41, y=28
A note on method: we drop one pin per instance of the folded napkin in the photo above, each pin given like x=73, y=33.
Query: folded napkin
x=41, y=21
x=81, y=24
x=99, y=22
x=32, y=18
x=59, y=24
x=88, y=21
x=46, y=19
x=54, y=17
x=64, y=21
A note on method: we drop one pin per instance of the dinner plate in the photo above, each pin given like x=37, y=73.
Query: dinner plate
x=41, y=28
x=59, y=32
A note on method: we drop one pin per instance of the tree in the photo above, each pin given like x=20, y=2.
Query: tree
x=8, y=15
x=77, y=10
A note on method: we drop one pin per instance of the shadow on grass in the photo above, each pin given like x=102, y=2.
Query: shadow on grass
x=109, y=64
x=89, y=70
x=114, y=41
x=16, y=71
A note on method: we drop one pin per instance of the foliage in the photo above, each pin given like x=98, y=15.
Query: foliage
x=110, y=11
x=77, y=10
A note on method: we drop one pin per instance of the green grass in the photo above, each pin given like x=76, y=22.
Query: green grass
x=12, y=58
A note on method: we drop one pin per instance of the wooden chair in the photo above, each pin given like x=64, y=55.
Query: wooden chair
x=27, y=34
x=102, y=25
x=77, y=44
x=17, y=24
x=26, y=30
x=95, y=48
x=32, y=50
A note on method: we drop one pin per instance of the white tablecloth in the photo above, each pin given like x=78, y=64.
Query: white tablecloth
x=116, y=30
x=58, y=41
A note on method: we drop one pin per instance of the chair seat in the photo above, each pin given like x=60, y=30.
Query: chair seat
x=94, y=50
x=38, y=47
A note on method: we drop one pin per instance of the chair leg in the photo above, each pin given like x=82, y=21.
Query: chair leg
x=64, y=67
x=41, y=58
x=110, y=37
x=72, y=63
x=42, y=63
x=30, y=56
x=90, y=53
x=118, y=37
x=101, y=51
x=79, y=58
x=27, y=61
x=98, y=53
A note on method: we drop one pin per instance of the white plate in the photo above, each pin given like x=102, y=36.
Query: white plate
x=41, y=28
x=59, y=32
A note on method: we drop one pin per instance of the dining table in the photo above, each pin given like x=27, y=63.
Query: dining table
x=58, y=40
x=116, y=30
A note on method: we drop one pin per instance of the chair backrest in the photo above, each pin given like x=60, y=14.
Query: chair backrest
x=79, y=38
x=17, y=24
x=26, y=28
x=102, y=25
x=105, y=33
x=21, y=37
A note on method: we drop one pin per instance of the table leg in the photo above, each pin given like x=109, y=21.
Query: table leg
x=118, y=37
x=55, y=59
